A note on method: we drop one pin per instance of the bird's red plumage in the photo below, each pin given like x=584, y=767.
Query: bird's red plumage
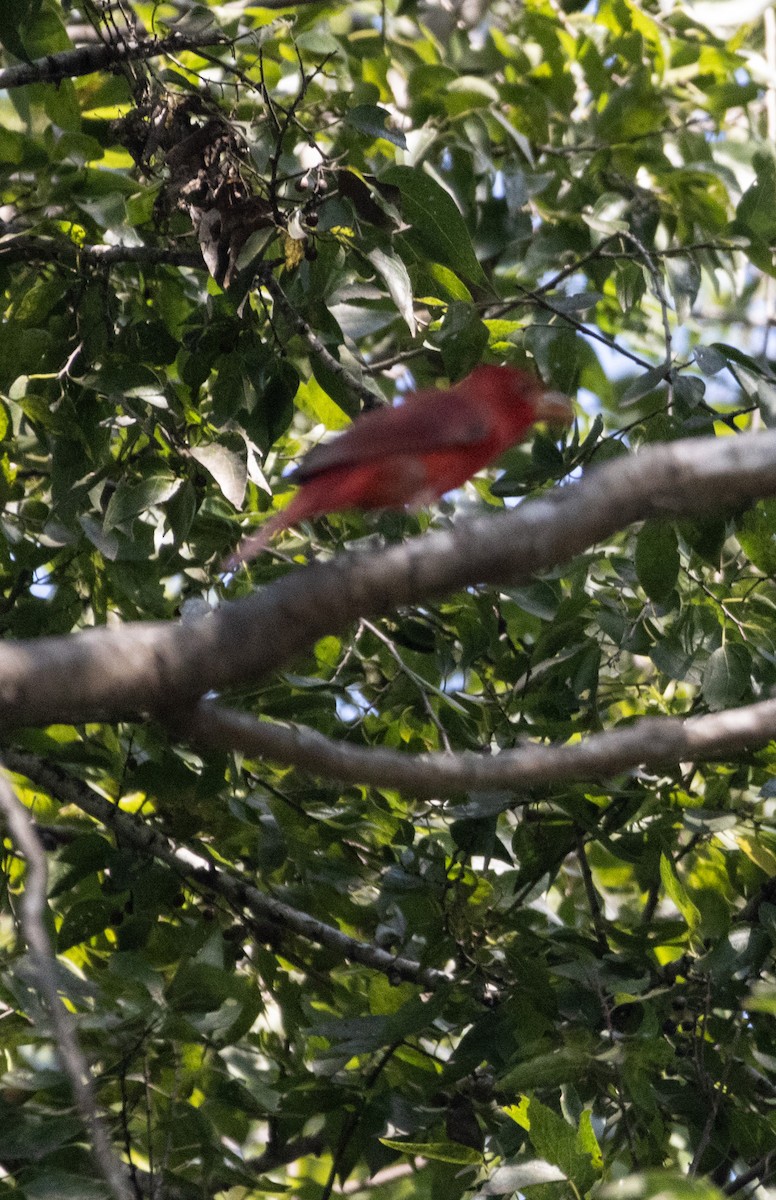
x=416, y=451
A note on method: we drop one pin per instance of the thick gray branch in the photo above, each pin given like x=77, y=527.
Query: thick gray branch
x=650, y=742
x=111, y=674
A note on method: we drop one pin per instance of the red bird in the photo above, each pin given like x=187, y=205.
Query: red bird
x=412, y=454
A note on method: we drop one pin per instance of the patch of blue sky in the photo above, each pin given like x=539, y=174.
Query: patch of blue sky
x=353, y=705
x=41, y=587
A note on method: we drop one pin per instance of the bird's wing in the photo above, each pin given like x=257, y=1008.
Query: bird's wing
x=427, y=421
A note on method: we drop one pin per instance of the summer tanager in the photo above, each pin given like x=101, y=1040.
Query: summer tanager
x=411, y=454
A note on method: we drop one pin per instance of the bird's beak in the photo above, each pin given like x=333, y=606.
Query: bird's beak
x=554, y=408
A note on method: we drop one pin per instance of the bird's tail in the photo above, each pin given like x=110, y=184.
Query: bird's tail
x=248, y=549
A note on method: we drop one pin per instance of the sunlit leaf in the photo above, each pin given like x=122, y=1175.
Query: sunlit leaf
x=435, y=220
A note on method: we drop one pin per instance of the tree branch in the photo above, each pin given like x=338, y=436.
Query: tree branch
x=761, y=1172
x=650, y=742
x=23, y=248
x=365, y=394
x=70, y=1054
x=164, y=668
x=593, y=902
x=207, y=875
x=84, y=60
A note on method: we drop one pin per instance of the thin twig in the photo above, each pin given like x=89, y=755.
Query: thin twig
x=364, y=394
x=619, y=1086
x=761, y=1171
x=209, y=876
x=537, y=298
x=610, y=147
x=594, y=903
x=414, y=679
x=678, y=251
x=71, y=1056
x=714, y=1097
x=354, y=1117
x=657, y=284
x=282, y=127
x=571, y=268
x=720, y=603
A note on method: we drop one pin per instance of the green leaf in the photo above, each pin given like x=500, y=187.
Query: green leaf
x=631, y=283
x=726, y=676
x=558, y=1142
x=762, y=855
x=757, y=535
x=227, y=468
x=60, y=102
x=117, y=379
x=710, y=361
x=646, y=383
x=685, y=279
x=376, y=122
x=675, y=659
x=140, y=206
x=587, y=1141
x=438, y=229
x=448, y=1152
x=31, y=1135
x=53, y=1184
x=706, y=537
x=633, y=110
x=756, y=212
x=657, y=560
x=44, y=33
x=449, y=283
x=733, y=354
x=14, y=15
x=545, y=1070
x=83, y=920
x=372, y=203
x=314, y=401
x=199, y=987
x=469, y=92
x=665, y=1185
x=86, y=855
x=678, y=893
x=516, y=1177
x=129, y=500
x=763, y=998
x=318, y=44
x=462, y=339
x=397, y=280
